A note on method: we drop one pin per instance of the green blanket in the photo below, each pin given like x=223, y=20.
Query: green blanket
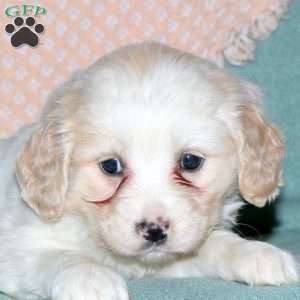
x=277, y=71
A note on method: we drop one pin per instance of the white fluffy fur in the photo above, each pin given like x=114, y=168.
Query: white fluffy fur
x=145, y=104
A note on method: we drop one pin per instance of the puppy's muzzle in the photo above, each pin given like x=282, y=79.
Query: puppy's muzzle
x=155, y=233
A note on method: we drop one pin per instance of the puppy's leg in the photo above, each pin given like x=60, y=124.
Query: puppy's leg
x=61, y=275
x=228, y=256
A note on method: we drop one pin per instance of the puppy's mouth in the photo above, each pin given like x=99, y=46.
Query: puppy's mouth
x=153, y=247
x=158, y=253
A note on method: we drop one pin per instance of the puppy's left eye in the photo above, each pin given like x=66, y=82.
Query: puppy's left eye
x=112, y=166
x=190, y=162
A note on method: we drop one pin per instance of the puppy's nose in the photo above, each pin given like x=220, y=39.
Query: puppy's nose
x=152, y=232
x=155, y=235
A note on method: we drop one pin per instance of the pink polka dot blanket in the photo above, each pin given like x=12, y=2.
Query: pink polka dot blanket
x=43, y=42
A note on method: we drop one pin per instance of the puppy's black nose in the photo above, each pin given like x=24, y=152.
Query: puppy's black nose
x=155, y=235
x=152, y=232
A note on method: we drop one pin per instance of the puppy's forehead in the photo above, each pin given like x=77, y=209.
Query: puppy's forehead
x=151, y=96
x=147, y=76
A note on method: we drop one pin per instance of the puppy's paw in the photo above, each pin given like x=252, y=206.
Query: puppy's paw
x=89, y=281
x=263, y=264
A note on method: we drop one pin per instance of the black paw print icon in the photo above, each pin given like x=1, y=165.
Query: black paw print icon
x=22, y=34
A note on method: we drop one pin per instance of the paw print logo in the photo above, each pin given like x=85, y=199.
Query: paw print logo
x=24, y=33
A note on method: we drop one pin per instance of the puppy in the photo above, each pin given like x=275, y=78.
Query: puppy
x=135, y=168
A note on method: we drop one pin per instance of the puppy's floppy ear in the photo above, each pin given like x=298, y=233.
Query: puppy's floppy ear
x=42, y=170
x=261, y=151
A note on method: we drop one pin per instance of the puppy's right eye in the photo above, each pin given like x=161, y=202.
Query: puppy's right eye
x=112, y=166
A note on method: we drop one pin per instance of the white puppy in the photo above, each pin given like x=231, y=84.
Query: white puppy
x=135, y=169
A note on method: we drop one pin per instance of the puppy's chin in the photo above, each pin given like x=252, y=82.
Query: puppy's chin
x=154, y=256
x=148, y=255
x=164, y=255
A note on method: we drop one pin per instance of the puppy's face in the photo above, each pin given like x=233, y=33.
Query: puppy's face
x=154, y=151
x=154, y=160
x=153, y=176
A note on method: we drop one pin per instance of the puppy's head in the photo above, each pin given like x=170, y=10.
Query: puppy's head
x=152, y=145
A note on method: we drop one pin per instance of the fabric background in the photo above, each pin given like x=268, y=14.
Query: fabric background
x=277, y=71
x=77, y=32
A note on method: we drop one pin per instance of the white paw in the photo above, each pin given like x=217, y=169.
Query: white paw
x=263, y=264
x=89, y=281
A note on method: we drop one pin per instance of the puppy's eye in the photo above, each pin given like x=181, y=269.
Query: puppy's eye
x=190, y=162
x=112, y=166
